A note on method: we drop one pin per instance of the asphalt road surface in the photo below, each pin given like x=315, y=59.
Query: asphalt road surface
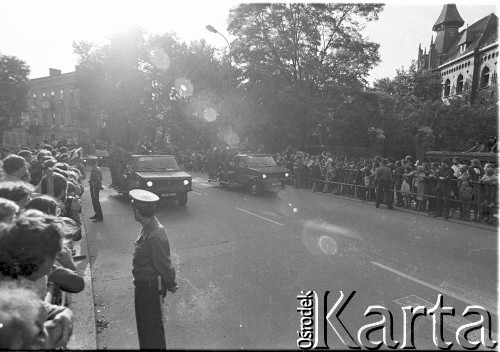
x=241, y=261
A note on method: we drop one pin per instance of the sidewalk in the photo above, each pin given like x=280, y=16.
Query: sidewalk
x=82, y=304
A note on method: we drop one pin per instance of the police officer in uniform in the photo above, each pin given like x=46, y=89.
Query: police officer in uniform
x=152, y=270
x=95, y=183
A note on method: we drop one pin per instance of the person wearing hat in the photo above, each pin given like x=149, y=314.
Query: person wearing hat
x=95, y=183
x=152, y=270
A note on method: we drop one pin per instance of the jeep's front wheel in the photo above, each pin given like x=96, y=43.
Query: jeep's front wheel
x=254, y=189
x=182, y=198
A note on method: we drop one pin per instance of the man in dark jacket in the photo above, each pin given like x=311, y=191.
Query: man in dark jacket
x=95, y=183
x=443, y=189
x=383, y=180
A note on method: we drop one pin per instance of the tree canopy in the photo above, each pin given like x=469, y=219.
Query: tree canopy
x=152, y=85
x=299, y=61
x=14, y=89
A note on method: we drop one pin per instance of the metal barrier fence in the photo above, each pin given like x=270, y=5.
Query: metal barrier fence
x=349, y=183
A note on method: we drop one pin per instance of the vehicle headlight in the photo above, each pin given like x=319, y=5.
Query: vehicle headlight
x=264, y=176
x=287, y=174
x=186, y=182
x=149, y=184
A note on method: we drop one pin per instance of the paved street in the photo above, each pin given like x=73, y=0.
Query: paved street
x=241, y=262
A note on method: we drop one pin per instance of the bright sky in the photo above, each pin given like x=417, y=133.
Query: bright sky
x=41, y=33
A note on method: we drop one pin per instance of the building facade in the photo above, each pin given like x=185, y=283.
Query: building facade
x=466, y=60
x=53, y=106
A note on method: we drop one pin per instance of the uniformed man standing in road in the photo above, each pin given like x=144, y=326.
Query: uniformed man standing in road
x=152, y=270
x=383, y=180
x=95, y=183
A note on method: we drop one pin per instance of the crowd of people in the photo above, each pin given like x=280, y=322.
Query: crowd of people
x=439, y=188
x=40, y=220
x=434, y=187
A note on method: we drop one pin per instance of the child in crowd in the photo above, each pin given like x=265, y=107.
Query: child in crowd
x=490, y=181
x=420, y=185
x=406, y=185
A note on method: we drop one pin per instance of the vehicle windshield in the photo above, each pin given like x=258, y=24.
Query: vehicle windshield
x=259, y=161
x=157, y=163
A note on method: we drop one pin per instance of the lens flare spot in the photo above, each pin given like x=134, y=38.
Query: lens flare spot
x=327, y=245
x=159, y=58
x=175, y=259
x=229, y=136
x=322, y=238
x=210, y=114
x=183, y=86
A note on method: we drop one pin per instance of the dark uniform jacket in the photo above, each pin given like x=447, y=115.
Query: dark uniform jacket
x=445, y=184
x=383, y=174
x=96, y=178
x=152, y=255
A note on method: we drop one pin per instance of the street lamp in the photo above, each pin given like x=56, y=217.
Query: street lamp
x=213, y=30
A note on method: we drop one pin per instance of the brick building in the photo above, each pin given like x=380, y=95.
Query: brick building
x=53, y=106
x=467, y=59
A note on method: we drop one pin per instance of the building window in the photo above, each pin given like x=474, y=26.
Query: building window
x=485, y=77
x=447, y=88
x=460, y=84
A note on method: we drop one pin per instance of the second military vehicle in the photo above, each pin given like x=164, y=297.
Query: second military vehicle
x=256, y=172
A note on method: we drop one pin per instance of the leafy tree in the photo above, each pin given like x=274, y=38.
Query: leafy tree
x=412, y=100
x=14, y=89
x=144, y=85
x=299, y=61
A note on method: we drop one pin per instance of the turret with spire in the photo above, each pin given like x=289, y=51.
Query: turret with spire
x=446, y=26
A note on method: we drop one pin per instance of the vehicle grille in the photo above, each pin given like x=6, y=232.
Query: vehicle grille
x=274, y=177
x=167, y=183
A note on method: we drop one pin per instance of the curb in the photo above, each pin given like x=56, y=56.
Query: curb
x=82, y=304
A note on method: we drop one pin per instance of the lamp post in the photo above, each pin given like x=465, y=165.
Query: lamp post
x=213, y=30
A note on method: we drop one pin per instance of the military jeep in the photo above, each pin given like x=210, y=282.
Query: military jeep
x=159, y=174
x=256, y=172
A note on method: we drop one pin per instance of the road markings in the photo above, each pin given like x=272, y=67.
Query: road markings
x=198, y=194
x=442, y=290
x=261, y=217
x=450, y=322
x=469, y=293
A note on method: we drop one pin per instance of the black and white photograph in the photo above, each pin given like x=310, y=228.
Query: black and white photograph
x=224, y=175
